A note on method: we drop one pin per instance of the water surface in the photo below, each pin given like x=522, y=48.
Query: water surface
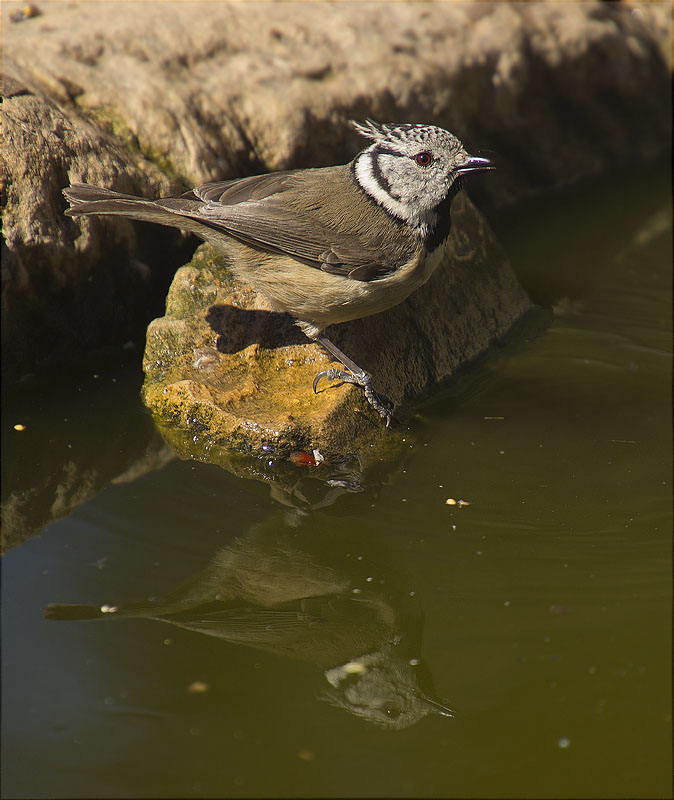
x=538, y=609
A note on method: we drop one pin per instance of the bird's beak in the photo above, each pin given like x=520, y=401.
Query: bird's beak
x=475, y=164
x=438, y=708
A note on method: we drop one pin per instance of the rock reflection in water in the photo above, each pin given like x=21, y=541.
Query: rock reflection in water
x=346, y=612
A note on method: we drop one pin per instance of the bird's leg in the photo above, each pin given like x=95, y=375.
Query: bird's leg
x=355, y=375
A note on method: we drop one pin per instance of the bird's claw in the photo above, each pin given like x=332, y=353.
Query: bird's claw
x=364, y=380
x=331, y=375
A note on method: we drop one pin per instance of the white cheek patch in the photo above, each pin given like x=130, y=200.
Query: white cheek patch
x=368, y=181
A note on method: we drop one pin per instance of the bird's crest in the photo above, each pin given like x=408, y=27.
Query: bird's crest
x=370, y=129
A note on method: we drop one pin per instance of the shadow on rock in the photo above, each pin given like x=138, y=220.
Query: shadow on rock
x=238, y=328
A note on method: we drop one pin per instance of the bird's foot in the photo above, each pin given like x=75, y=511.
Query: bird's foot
x=381, y=405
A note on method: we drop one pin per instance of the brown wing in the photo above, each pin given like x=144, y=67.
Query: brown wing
x=243, y=190
x=263, y=211
x=282, y=212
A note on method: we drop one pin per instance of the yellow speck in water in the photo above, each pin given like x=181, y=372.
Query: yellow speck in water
x=198, y=687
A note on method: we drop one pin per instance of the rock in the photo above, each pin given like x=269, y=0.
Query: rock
x=557, y=90
x=230, y=89
x=71, y=288
x=224, y=374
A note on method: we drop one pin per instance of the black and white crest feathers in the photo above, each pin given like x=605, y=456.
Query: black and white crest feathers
x=410, y=170
x=392, y=132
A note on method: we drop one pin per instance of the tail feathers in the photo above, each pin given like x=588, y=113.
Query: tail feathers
x=64, y=611
x=85, y=199
x=84, y=193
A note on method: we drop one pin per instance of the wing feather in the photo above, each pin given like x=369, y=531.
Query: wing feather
x=281, y=212
x=257, y=211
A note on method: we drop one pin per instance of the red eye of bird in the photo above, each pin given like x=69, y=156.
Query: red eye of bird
x=423, y=159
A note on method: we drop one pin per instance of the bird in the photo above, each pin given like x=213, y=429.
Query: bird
x=328, y=244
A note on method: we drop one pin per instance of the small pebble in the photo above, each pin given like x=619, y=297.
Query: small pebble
x=26, y=12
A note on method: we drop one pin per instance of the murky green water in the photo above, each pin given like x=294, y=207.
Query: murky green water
x=339, y=614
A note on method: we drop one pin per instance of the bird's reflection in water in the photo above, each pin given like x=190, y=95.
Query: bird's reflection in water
x=341, y=605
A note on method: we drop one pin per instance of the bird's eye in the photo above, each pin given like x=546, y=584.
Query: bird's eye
x=391, y=710
x=423, y=159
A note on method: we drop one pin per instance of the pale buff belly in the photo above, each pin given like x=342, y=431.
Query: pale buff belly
x=318, y=297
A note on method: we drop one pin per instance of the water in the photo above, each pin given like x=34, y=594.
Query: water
x=538, y=610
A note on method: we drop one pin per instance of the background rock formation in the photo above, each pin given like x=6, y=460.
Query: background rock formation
x=171, y=95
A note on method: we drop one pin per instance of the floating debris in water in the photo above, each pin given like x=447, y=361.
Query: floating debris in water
x=301, y=459
x=198, y=687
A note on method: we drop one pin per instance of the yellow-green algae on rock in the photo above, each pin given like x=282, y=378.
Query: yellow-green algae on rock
x=210, y=401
